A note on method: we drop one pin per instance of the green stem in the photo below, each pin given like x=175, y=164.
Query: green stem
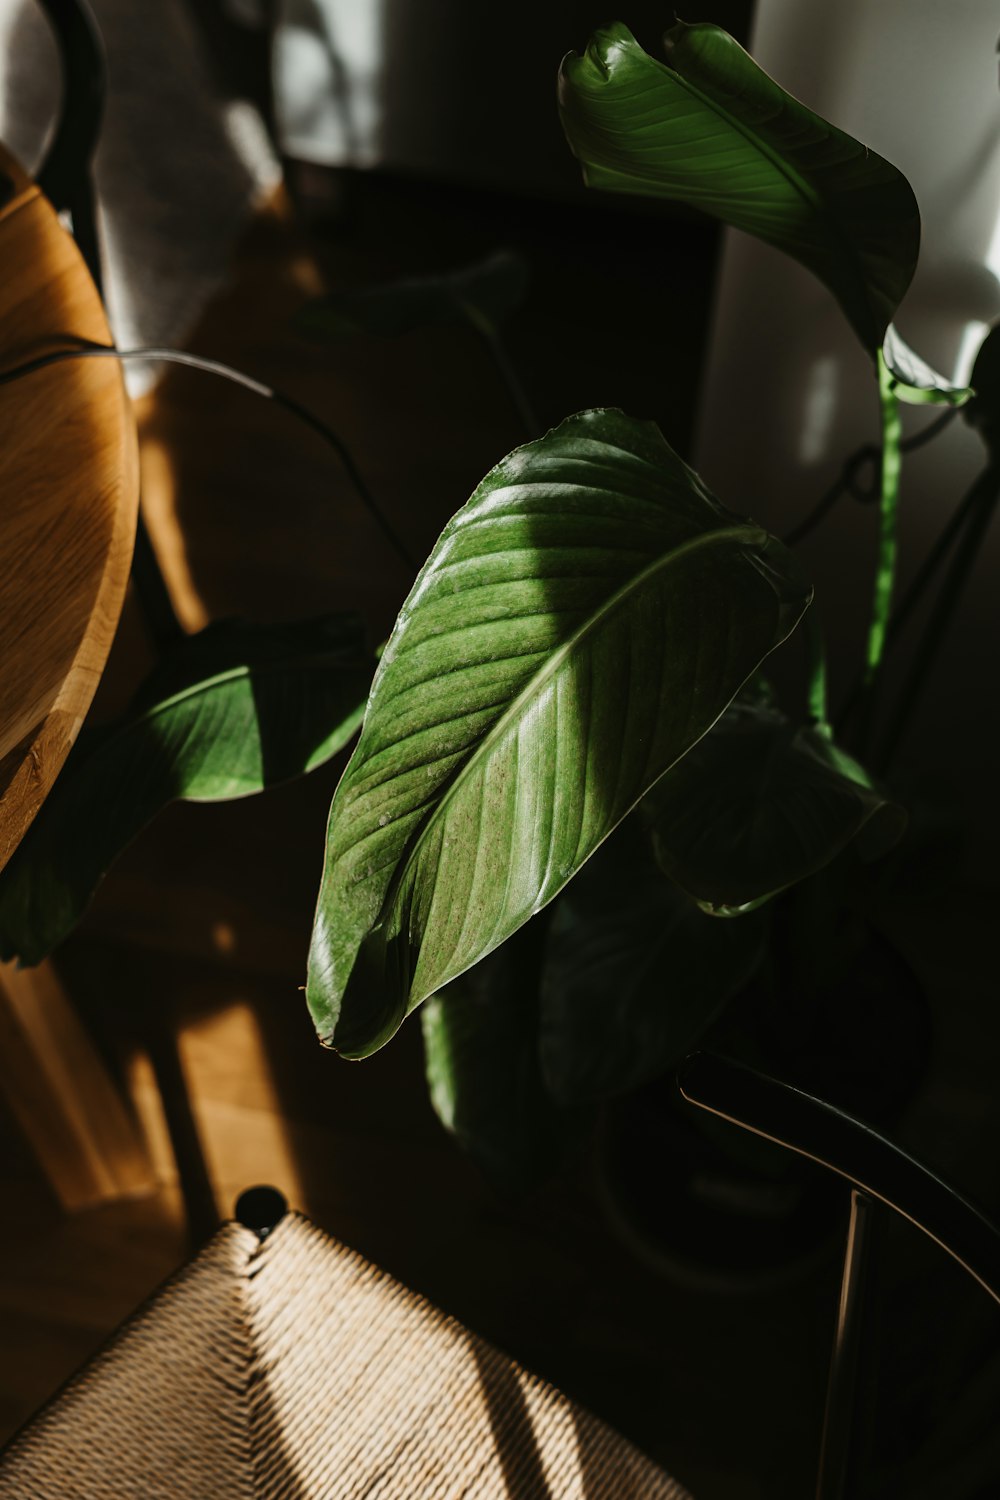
x=848, y=480
x=885, y=570
x=931, y=563
x=981, y=503
x=888, y=544
x=816, y=672
x=914, y=594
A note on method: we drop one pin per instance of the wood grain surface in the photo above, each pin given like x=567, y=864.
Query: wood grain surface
x=68, y=503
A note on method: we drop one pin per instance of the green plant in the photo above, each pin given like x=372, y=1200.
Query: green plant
x=577, y=823
x=582, y=650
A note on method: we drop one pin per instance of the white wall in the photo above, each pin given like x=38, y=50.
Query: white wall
x=788, y=392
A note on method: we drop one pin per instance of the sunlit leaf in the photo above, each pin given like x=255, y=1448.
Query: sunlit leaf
x=760, y=804
x=229, y=711
x=484, y=293
x=710, y=129
x=915, y=381
x=580, y=623
x=634, y=972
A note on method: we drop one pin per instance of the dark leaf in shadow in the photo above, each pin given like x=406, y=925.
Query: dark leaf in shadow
x=634, y=972
x=484, y=293
x=760, y=804
x=229, y=711
x=486, y=1084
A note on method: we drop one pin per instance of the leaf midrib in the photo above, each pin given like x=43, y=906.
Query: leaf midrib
x=751, y=536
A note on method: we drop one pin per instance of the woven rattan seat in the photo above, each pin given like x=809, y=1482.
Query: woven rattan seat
x=292, y=1367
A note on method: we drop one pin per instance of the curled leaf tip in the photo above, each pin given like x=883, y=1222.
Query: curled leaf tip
x=606, y=41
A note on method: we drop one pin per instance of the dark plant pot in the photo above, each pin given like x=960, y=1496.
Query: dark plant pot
x=705, y=1202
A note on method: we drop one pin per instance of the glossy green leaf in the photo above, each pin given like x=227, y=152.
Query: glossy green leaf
x=712, y=130
x=483, y=1070
x=760, y=804
x=229, y=711
x=915, y=381
x=634, y=972
x=580, y=623
x=484, y=293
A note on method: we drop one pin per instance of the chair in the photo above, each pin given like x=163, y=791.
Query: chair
x=279, y=1363
x=66, y=178
x=879, y=1172
x=57, y=1085
x=65, y=175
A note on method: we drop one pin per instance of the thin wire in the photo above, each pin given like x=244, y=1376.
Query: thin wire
x=227, y=372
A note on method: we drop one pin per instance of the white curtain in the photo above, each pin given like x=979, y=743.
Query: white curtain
x=177, y=168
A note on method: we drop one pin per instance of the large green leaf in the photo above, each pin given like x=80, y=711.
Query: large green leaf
x=634, y=972
x=483, y=293
x=482, y=1059
x=228, y=712
x=714, y=131
x=760, y=804
x=581, y=622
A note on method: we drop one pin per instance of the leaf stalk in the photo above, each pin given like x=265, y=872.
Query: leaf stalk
x=888, y=544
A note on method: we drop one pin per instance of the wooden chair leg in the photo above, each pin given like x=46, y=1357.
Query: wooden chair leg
x=60, y=1092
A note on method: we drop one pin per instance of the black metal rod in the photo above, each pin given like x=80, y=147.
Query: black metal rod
x=846, y=1145
x=838, y=1444
x=65, y=174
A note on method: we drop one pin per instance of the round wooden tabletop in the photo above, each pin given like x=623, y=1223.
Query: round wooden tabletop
x=69, y=491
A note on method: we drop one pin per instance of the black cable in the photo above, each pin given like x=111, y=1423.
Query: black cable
x=227, y=372
x=847, y=480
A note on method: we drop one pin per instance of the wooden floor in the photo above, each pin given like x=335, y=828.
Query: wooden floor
x=188, y=969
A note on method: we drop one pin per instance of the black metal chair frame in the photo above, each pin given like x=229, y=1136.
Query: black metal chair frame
x=66, y=178
x=66, y=174
x=879, y=1171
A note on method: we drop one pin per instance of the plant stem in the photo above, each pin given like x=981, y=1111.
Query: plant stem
x=885, y=571
x=979, y=505
x=935, y=557
x=816, y=672
x=888, y=541
x=918, y=587
x=847, y=481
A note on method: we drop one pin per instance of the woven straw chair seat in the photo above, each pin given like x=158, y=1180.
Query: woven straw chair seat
x=292, y=1368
